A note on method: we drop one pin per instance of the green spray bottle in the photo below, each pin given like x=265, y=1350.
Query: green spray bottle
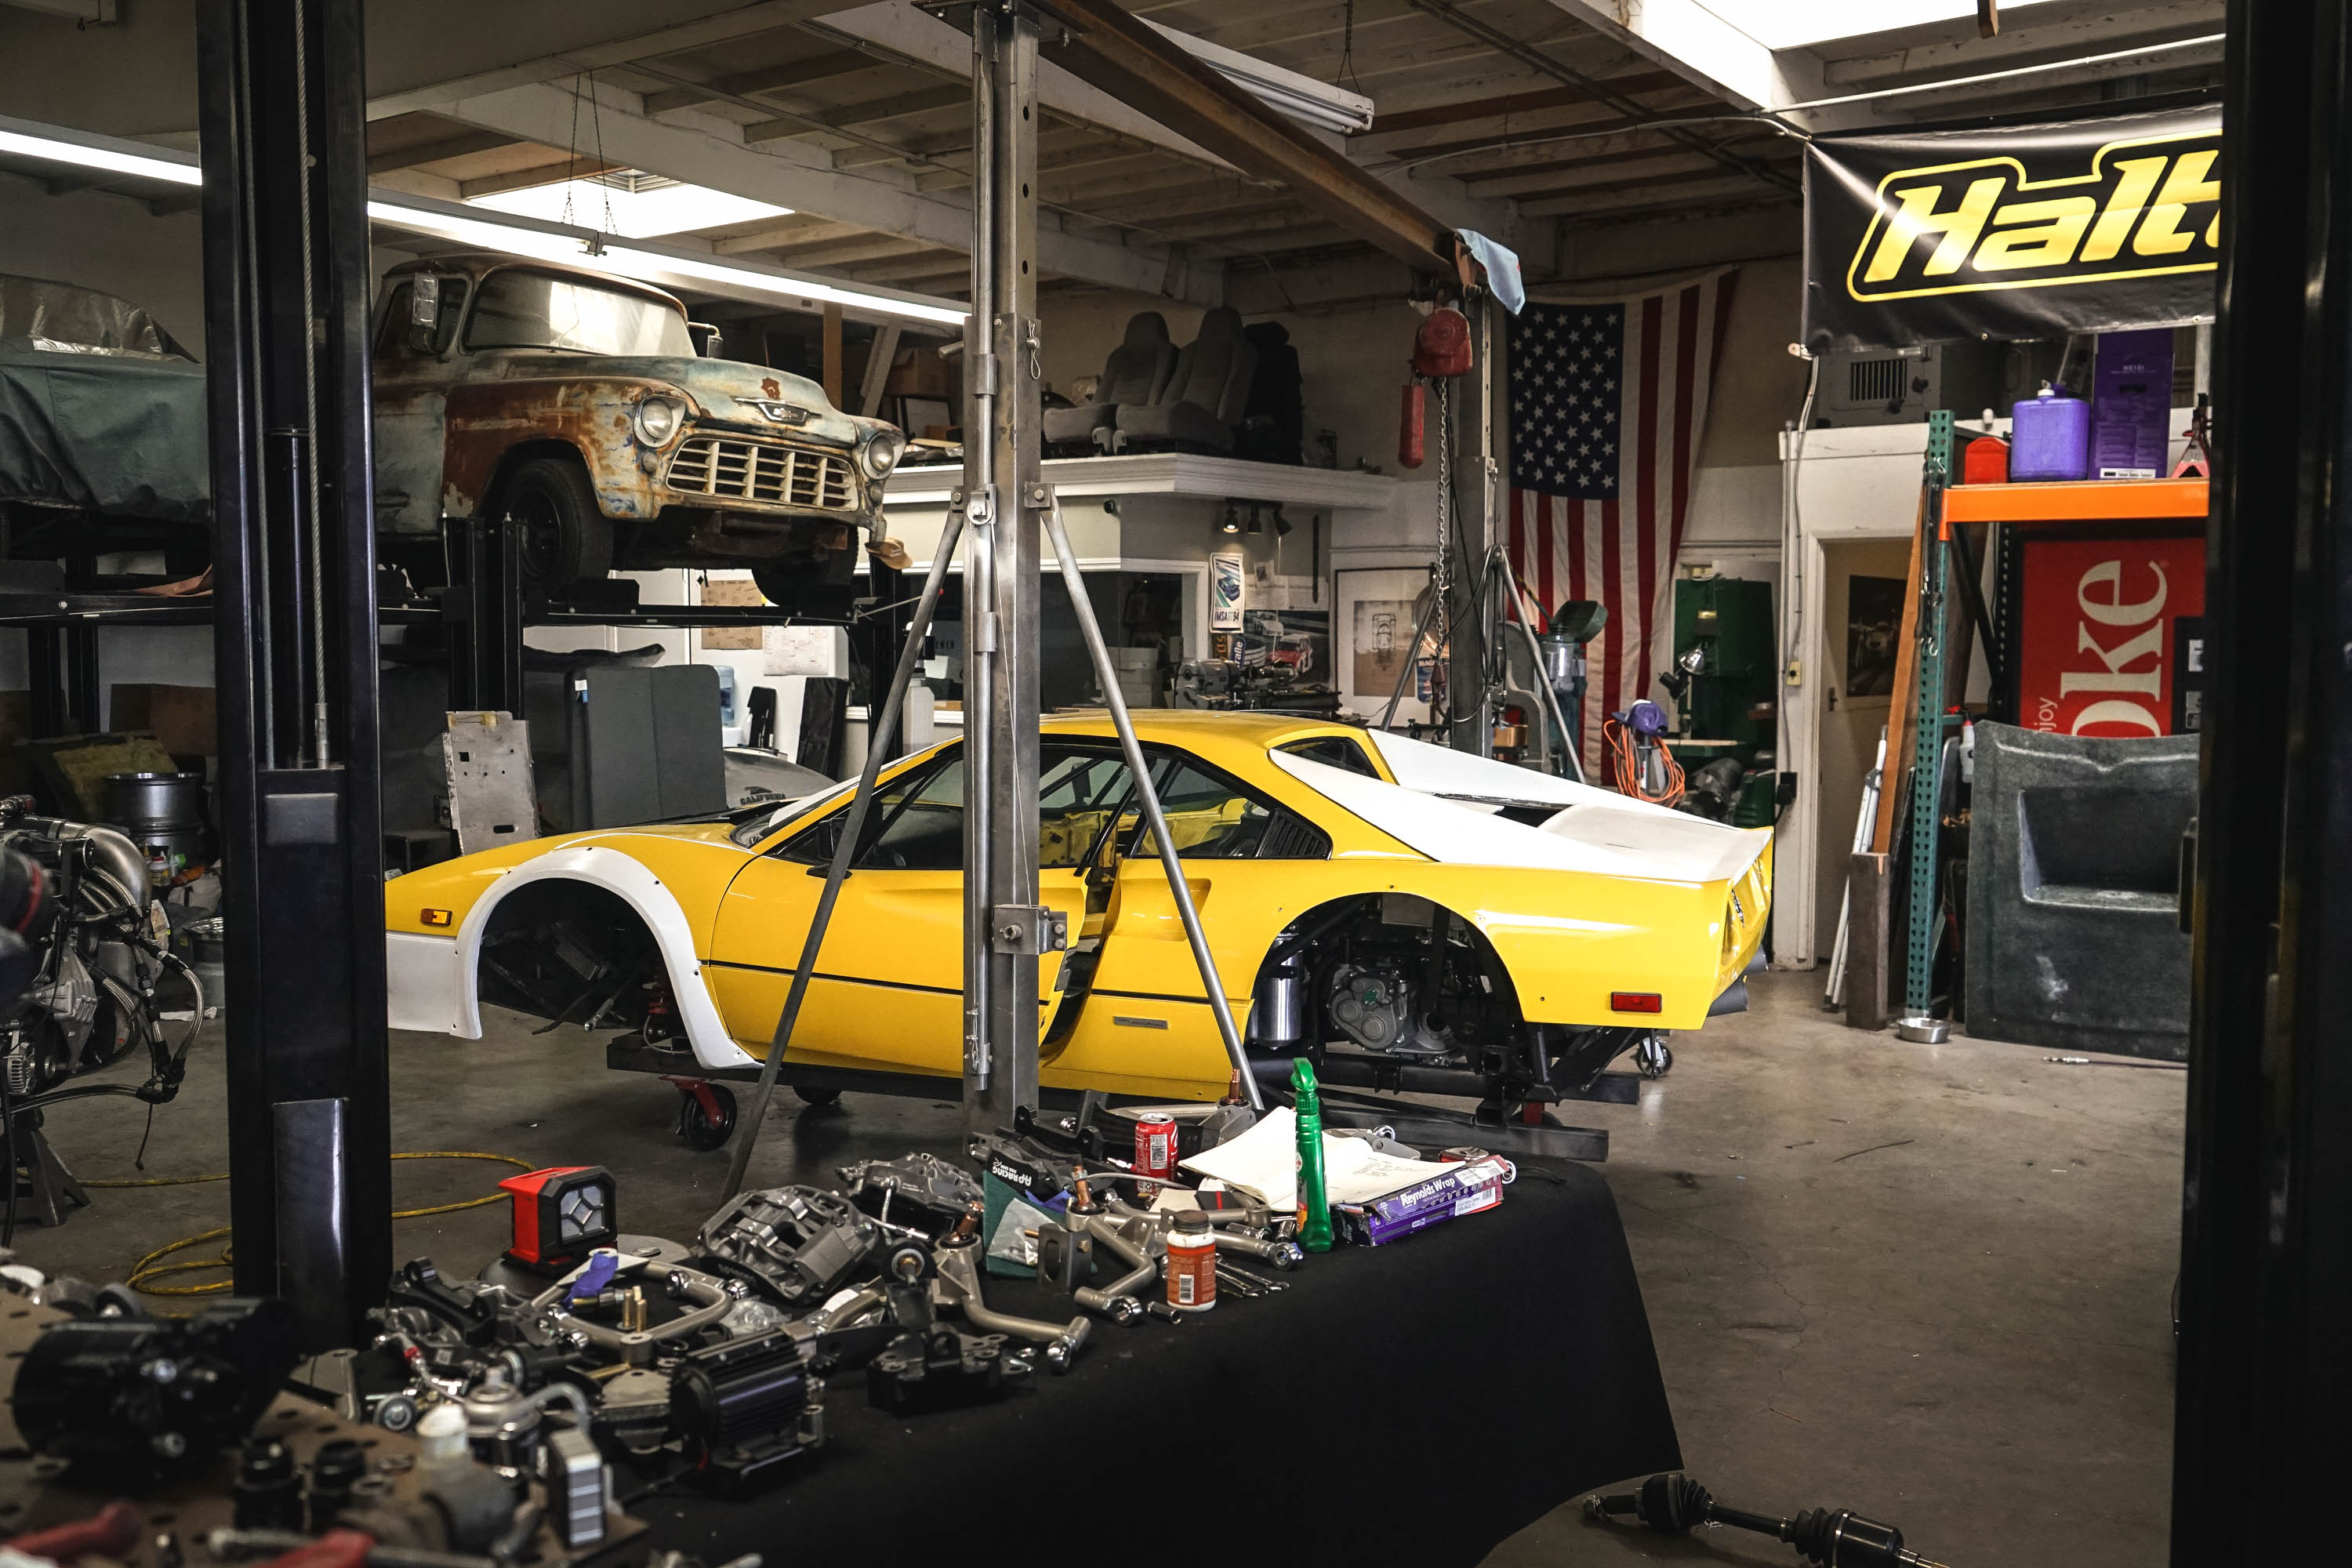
x=1313, y=1207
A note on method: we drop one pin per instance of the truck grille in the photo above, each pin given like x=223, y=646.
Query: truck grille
x=768, y=472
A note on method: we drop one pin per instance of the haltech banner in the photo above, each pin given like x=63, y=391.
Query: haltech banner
x=2032, y=231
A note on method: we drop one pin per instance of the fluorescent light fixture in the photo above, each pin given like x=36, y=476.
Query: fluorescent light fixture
x=1286, y=92
x=636, y=214
x=664, y=266
x=1779, y=25
x=26, y=139
x=521, y=236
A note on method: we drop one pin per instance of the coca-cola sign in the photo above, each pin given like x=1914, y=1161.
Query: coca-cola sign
x=2101, y=623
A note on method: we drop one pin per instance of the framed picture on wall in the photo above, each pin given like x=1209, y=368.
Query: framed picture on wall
x=1371, y=633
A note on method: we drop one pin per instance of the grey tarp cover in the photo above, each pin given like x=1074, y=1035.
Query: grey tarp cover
x=98, y=407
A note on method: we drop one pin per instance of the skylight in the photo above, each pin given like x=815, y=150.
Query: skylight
x=642, y=207
x=1800, y=24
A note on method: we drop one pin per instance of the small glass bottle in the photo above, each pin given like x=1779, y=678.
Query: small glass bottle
x=1192, y=1264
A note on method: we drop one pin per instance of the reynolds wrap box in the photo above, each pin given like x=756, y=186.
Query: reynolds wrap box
x=1462, y=1189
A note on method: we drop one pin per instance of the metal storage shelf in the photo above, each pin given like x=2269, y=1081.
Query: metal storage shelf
x=2082, y=500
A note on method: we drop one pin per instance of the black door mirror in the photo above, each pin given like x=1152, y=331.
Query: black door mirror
x=705, y=338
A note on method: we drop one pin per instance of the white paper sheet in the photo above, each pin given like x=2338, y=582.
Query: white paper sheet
x=1263, y=1162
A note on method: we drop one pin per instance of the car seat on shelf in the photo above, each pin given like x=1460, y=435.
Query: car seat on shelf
x=1273, y=419
x=1203, y=399
x=1135, y=373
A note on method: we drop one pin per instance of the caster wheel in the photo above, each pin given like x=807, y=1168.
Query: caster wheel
x=1654, y=1059
x=817, y=1096
x=705, y=1128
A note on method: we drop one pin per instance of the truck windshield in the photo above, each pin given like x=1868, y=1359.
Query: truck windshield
x=518, y=310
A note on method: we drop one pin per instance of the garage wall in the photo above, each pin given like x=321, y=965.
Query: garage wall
x=1351, y=362
x=112, y=243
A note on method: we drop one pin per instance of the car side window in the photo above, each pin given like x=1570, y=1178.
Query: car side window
x=1211, y=817
x=1080, y=792
x=1337, y=752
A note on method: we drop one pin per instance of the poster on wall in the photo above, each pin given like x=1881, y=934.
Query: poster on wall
x=2023, y=231
x=1373, y=628
x=2112, y=636
x=1874, y=620
x=1224, y=593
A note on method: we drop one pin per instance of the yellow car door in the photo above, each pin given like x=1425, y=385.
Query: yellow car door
x=888, y=991
x=1252, y=868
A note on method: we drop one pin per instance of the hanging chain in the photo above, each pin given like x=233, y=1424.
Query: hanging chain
x=1444, y=488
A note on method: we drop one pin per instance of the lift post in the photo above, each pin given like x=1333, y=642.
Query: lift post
x=286, y=318
x=1004, y=925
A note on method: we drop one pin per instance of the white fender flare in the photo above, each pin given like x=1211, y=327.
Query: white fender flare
x=436, y=981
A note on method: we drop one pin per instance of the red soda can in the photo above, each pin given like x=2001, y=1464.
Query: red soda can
x=1155, y=1147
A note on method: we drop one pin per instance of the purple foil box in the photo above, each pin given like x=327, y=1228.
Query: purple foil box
x=1466, y=1191
x=2131, y=405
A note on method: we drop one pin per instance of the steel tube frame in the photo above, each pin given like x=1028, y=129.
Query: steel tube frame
x=882, y=725
x=1002, y=574
x=287, y=303
x=2265, y=1367
x=1147, y=795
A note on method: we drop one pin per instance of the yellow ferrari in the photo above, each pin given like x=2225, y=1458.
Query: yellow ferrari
x=1416, y=918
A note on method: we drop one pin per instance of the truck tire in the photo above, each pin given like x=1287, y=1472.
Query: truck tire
x=565, y=539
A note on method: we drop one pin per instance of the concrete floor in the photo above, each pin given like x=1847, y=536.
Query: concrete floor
x=1929, y=1284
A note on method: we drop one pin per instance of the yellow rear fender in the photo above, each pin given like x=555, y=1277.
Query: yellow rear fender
x=1570, y=942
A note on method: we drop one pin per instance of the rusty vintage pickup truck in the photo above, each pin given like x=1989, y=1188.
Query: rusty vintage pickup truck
x=588, y=410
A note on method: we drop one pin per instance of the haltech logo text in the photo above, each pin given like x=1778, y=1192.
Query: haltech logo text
x=2142, y=209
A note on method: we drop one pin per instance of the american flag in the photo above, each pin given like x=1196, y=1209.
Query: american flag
x=1608, y=403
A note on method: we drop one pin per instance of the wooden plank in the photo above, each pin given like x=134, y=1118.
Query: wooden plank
x=833, y=354
x=1906, y=672
x=1869, y=999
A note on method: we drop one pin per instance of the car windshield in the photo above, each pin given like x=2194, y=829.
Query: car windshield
x=749, y=832
x=521, y=309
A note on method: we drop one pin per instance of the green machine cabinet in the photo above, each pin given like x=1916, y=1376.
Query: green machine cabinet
x=1722, y=666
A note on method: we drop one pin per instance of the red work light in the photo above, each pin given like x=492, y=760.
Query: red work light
x=561, y=1213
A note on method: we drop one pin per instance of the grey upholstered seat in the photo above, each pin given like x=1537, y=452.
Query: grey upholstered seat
x=1136, y=373
x=1206, y=396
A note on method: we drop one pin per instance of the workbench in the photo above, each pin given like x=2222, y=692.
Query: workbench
x=1410, y=1403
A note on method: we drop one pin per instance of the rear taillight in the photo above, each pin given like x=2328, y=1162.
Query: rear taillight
x=1635, y=1002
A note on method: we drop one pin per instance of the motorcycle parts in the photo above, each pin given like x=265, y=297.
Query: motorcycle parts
x=147, y=1394
x=805, y=1242
x=746, y=1406
x=940, y=1369
x=920, y=1190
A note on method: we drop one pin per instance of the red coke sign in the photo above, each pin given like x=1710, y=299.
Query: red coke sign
x=2103, y=650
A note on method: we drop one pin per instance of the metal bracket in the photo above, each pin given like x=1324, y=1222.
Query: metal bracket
x=979, y=506
x=1028, y=928
x=1038, y=498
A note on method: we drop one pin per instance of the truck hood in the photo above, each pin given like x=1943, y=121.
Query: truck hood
x=721, y=389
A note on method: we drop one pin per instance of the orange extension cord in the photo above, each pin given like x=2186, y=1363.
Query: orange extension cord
x=1618, y=741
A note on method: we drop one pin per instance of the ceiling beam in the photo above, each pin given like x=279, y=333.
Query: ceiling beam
x=703, y=149
x=1701, y=48
x=1515, y=103
x=811, y=232
x=432, y=152
x=1861, y=65
x=921, y=101
x=769, y=79
x=1111, y=49
x=432, y=45
x=553, y=173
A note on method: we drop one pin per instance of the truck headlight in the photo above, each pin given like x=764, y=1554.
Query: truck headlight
x=658, y=419
x=881, y=453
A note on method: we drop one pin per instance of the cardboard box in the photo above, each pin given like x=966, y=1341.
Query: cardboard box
x=185, y=718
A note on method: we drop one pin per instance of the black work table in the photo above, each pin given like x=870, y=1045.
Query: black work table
x=1413, y=1403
